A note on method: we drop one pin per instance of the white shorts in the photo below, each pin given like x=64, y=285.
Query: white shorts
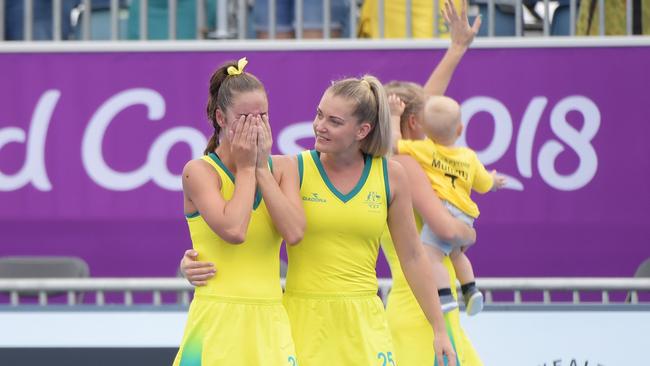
x=429, y=238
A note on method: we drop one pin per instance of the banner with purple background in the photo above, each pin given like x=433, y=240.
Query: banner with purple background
x=92, y=145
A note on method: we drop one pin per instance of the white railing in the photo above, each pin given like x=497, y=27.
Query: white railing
x=513, y=287
x=232, y=17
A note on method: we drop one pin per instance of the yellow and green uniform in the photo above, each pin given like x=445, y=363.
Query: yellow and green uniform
x=237, y=319
x=331, y=291
x=411, y=331
x=453, y=171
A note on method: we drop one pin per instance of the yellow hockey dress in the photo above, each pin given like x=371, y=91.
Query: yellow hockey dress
x=331, y=291
x=237, y=319
x=411, y=331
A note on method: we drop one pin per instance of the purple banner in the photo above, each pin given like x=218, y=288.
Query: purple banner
x=92, y=145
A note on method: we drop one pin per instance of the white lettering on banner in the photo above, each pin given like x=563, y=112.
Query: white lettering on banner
x=502, y=126
x=579, y=141
x=33, y=169
x=290, y=135
x=526, y=135
x=155, y=168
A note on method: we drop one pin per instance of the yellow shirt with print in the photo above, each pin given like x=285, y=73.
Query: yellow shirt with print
x=453, y=171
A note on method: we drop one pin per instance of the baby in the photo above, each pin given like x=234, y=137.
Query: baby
x=454, y=172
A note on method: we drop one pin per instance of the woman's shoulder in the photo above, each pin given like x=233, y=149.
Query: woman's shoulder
x=199, y=167
x=196, y=165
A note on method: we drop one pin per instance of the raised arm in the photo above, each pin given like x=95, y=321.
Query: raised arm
x=202, y=187
x=413, y=260
x=462, y=36
x=280, y=189
x=428, y=205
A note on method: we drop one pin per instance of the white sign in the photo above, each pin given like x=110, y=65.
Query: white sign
x=502, y=338
x=560, y=338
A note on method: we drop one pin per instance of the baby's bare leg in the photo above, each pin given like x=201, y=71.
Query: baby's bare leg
x=441, y=277
x=463, y=266
x=472, y=297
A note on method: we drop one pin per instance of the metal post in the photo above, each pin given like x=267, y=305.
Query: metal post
x=14, y=298
x=436, y=18
x=572, y=14
x=128, y=298
x=488, y=297
x=409, y=19
x=380, y=18
x=85, y=20
x=200, y=18
x=71, y=298
x=353, y=20
x=99, y=298
x=601, y=17
x=222, y=18
x=42, y=296
x=171, y=16
x=547, y=297
x=628, y=17
x=518, y=25
x=115, y=31
x=144, y=19
x=299, y=19
x=241, y=19
x=547, y=19
x=2, y=20
x=491, y=12
x=28, y=20
x=327, y=19
x=56, y=20
x=272, y=23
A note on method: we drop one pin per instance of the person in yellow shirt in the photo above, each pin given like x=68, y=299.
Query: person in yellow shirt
x=408, y=324
x=239, y=204
x=453, y=172
x=394, y=15
x=588, y=22
x=350, y=192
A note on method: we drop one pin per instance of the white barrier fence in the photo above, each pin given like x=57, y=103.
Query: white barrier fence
x=498, y=291
x=518, y=331
x=232, y=17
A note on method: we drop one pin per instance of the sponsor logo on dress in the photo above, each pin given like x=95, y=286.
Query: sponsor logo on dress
x=314, y=198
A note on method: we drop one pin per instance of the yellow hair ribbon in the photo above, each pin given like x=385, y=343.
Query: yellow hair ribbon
x=240, y=67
